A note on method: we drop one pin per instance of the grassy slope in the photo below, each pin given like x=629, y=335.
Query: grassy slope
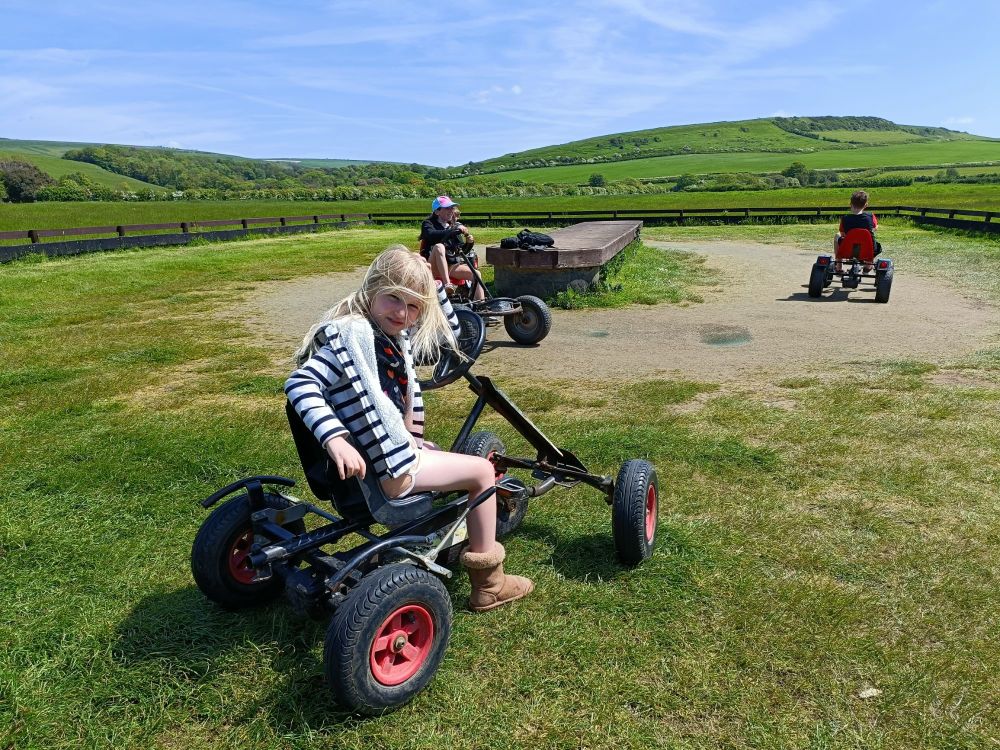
x=59, y=215
x=779, y=592
x=56, y=167
x=947, y=152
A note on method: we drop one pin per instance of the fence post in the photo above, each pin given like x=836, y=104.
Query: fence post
x=33, y=234
x=281, y=219
x=120, y=230
x=243, y=223
x=184, y=227
x=315, y=219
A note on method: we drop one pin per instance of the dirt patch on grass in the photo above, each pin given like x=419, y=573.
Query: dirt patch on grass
x=759, y=319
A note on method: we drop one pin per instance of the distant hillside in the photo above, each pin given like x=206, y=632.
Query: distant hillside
x=158, y=168
x=787, y=135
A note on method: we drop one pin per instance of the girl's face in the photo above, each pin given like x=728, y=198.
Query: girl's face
x=394, y=312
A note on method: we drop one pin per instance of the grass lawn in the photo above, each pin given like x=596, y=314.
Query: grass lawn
x=806, y=592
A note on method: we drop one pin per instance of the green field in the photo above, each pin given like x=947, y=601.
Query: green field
x=795, y=571
x=24, y=216
x=870, y=137
x=943, y=153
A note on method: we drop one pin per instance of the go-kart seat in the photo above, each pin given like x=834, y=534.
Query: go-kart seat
x=355, y=499
x=454, y=280
x=857, y=244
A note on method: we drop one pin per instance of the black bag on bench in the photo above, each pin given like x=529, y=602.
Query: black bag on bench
x=528, y=240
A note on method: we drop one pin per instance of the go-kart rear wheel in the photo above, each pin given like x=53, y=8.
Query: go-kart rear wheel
x=386, y=639
x=635, y=507
x=883, y=285
x=509, y=514
x=221, y=550
x=817, y=280
x=532, y=324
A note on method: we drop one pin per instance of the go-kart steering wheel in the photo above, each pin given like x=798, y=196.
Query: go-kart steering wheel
x=470, y=342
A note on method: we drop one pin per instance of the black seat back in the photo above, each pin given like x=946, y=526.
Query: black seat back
x=355, y=499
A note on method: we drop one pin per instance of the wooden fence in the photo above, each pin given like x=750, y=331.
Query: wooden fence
x=138, y=235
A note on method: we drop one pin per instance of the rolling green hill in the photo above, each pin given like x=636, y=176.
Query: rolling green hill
x=933, y=154
x=746, y=145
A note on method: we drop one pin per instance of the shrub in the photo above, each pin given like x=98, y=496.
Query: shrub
x=22, y=180
x=597, y=180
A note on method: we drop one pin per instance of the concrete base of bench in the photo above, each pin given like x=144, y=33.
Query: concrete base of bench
x=513, y=282
x=577, y=256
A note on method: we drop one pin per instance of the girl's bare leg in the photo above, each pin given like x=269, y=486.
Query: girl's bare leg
x=442, y=470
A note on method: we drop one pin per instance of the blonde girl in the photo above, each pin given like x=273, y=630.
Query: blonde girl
x=355, y=385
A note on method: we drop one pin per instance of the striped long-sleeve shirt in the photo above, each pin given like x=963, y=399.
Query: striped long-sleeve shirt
x=337, y=392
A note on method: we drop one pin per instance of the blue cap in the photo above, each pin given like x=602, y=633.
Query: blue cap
x=442, y=201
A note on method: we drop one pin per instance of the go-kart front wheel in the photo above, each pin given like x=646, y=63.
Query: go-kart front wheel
x=883, y=285
x=220, y=555
x=817, y=280
x=634, y=510
x=510, y=513
x=387, y=638
x=532, y=324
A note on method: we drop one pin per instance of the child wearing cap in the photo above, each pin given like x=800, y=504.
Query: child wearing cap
x=441, y=236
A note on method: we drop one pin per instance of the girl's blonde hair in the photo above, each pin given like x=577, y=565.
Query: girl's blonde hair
x=396, y=270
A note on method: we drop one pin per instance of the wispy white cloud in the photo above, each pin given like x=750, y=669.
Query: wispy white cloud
x=341, y=79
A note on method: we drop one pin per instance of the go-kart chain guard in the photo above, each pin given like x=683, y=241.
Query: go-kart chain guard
x=496, y=307
x=559, y=465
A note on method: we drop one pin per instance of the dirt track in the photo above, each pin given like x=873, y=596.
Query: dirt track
x=760, y=318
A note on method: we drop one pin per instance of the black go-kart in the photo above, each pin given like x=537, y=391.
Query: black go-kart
x=527, y=318
x=854, y=262
x=390, y=614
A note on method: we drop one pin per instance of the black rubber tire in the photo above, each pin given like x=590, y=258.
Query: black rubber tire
x=817, y=280
x=635, y=535
x=883, y=286
x=533, y=324
x=350, y=638
x=483, y=444
x=471, y=337
x=213, y=545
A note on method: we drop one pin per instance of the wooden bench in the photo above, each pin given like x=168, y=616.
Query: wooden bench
x=576, y=258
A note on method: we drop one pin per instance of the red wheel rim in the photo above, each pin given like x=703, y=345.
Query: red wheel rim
x=402, y=644
x=650, y=513
x=239, y=559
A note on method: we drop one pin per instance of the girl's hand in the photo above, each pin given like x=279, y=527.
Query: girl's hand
x=349, y=462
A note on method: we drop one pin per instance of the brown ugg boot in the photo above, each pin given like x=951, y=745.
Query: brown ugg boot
x=490, y=587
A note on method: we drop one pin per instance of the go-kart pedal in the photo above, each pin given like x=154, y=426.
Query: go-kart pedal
x=510, y=487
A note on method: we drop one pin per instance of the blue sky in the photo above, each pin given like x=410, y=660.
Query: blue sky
x=452, y=82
